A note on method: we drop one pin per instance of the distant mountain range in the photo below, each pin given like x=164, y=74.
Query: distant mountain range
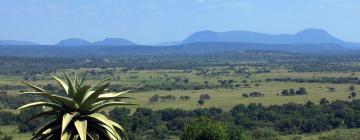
x=17, y=43
x=307, y=36
x=105, y=42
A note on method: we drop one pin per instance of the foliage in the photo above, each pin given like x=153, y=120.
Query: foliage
x=205, y=129
x=265, y=134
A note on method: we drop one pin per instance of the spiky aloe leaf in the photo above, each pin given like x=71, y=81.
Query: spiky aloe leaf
x=66, y=135
x=113, y=98
x=76, y=81
x=71, y=84
x=93, y=135
x=103, y=133
x=94, y=87
x=36, y=88
x=67, y=118
x=50, y=132
x=81, y=93
x=68, y=102
x=81, y=127
x=111, y=131
x=34, y=93
x=118, y=126
x=50, y=124
x=48, y=104
x=39, y=115
x=114, y=94
x=107, y=104
x=62, y=83
x=93, y=96
x=82, y=80
x=106, y=123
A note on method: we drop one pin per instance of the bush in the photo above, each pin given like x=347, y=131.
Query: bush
x=161, y=133
x=239, y=134
x=205, y=129
x=265, y=134
x=6, y=137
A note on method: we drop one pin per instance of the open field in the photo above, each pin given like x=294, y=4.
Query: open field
x=224, y=98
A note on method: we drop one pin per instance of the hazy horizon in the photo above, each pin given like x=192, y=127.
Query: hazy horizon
x=154, y=21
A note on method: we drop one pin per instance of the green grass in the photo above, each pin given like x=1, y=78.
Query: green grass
x=337, y=134
x=9, y=130
x=227, y=98
x=223, y=98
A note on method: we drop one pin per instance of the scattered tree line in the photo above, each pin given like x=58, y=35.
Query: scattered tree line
x=293, y=92
x=333, y=80
x=251, y=121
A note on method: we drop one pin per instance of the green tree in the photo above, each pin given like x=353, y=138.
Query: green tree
x=353, y=95
x=323, y=101
x=161, y=133
x=265, y=134
x=239, y=134
x=75, y=113
x=205, y=129
x=6, y=137
x=351, y=88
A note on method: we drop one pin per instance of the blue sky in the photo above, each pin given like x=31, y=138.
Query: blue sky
x=152, y=21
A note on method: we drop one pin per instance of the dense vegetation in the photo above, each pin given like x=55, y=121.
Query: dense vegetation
x=250, y=120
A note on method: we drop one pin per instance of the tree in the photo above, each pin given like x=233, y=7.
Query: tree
x=201, y=101
x=323, y=101
x=205, y=129
x=265, y=134
x=186, y=81
x=6, y=137
x=161, y=133
x=239, y=134
x=185, y=98
x=75, y=113
x=353, y=95
x=154, y=98
x=245, y=95
x=331, y=89
x=351, y=88
x=285, y=92
x=302, y=91
x=203, y=98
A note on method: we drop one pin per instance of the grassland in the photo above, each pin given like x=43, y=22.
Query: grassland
x=224, y=98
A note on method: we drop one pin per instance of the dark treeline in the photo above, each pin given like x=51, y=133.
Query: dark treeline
x=334, y=80
x=297, y=62
x=284, y=119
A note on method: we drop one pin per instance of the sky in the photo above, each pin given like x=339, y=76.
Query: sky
x=154, y=21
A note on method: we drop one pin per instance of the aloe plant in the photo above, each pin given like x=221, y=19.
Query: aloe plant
x=75, y=115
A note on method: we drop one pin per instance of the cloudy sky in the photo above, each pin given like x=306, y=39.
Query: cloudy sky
x=152, y=21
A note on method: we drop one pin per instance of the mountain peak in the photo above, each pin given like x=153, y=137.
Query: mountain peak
x=313, y=31
x=17, y=42
x=306, y=36
x=313, y=35
x=73, y=42
x=114, y=42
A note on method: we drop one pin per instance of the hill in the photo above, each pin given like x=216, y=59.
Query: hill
x=16, y=42
x=114, y=42
x=73, y=42
x=307, y=36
